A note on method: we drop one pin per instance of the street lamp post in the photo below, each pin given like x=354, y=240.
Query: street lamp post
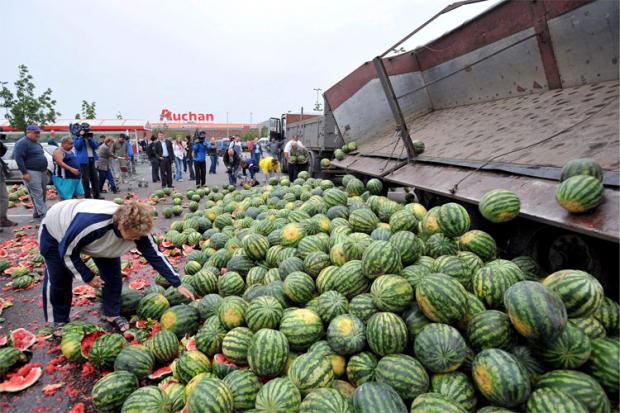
x=317, y=105
x=227, y=135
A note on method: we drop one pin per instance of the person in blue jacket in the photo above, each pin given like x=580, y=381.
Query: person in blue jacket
x=257, y=152
x=200, y=148
x=104, y=231
x=85, y=147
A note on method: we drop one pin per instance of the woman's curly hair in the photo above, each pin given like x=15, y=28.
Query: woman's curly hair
x=134, y=216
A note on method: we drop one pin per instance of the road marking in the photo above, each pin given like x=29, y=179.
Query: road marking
x=20, y=215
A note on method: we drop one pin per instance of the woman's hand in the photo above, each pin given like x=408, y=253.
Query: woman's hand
x=96, y=282
x=187, y=293
x=74, y=171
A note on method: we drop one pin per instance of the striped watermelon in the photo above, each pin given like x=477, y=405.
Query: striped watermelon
x=355, y=187
x=361, y=368
x=315, y=262
x=404, y=374
x=408, y=245
x=583, y=166
x=581, y=293
x=480, y=243
x=581, y=386
x=363, y=220
x=176, y=394
x=331, y=304
x=453, y=266
x=546, y=400
x=386, y=333
x=302, y=327
x=210, y=336
x=534, y=367
x=441, y=298
x=338, y=211
x=325, y=400
x=189, y=365
x=268, y=352
x=590, y=326
x=604, y=363
x=211, y=395
x=346, y=334
x=362, y=306
x=255, y=246
x=208, y=305
x=299, y=287
x=415, y=320
x=530, y=268
x=440, y=348
x=391, y=293
x=278, y=395
x=474, y=306
x=403, y=220
x=292, y=233
x=230, y=283
x=609, y=316
x=263, y=312
x=490, y=282
x=435, y=403
x=111, y=391
x=491, y=329
x=473, y=262
x=181, y=320
x=290, y=265
x=430, y=223
x=164, y=345
x=439, y=244
x=500, y=378
x=499, y=205
x=137, y=360
x=355, y=244
x=105, y=349
x=374, y=186
x=457, y=387
x=568, y=350
x=380, y=258
x=311, y=371
x=152, y=306
x=231, y=312
x=453, y=219
x=236, y=343
x=204, y=282
x=147, y=399
x=580, y=193
x=348, y=280
x=244, y=386
x=414, y=273
x=531, y=319
x=327, y=279
x=334, y=196
x=374, y=397
x=309, y=245
x=381, y=234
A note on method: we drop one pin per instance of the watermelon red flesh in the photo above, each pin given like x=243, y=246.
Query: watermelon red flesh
x=161, y=373
x=137, y=285
x=88, y=341
x=3, y=340
x=23, y=339
x=23, y=378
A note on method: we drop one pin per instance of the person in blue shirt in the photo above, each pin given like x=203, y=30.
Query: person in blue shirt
x=67, y=177
x=200, y=149
x=251, y=166
x=85, y=147
x=32, y=163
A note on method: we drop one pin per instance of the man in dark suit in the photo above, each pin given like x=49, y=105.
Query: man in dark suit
x=164, y=151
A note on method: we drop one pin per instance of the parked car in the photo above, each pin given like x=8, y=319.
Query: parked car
x=15, y=176
x=222, y=146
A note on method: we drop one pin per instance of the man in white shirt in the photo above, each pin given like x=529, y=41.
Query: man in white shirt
x=291, y=168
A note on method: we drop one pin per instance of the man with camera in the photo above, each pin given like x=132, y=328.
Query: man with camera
x=85, y=147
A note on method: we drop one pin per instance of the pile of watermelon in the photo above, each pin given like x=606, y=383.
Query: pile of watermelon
x=317, y=298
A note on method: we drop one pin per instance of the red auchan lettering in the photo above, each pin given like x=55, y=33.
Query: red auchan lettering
x=166, y=114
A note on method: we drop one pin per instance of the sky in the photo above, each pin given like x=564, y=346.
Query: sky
x=250, y=59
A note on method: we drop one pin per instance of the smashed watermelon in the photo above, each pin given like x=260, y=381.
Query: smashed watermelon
x=22, y=339
x=21, y=379
x=88, y=340
x=160, y=373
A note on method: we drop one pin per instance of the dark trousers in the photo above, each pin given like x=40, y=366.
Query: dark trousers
x=90, y=179
x=58, y=283
x=212, y=168
x=188, y=163
x=201, y=172
x=155, y=170
x=106, y=175
x=292, y=171
x=165, y=169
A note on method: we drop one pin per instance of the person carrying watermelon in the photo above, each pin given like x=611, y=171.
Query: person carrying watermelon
x=104, y=231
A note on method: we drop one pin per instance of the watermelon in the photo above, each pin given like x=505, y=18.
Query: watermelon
x=346, y=334
x=211, y=395
x=325, y=400
x=580, y=193
x=374, y=186
x=391, y=293
x=439, y=244
x=440, y=348
x=263, y=312
x=490, y=282
x=105, y=349
x=302, y=327
x=231, y=312
x=604, y=364
x=569, y=350
x=581, y=386
x=230, y=283
x=268, y=352
x=236, y=343
x=435, y=403
x=136, y=359
x=581, y=293
x=210, y=336
x=349, y=280
x=192, y=267
x=545, y=400
x=9, y=357
x=609, y=316
x=146, y=400
x=480, y=243
x=315, y=262
x=310, y=371
x=299, y=287
x=441, y=298
x=181, y=320
x=404, y=374
x=584, y=166
x=23, y=339
x=111, y=391
x=408, y=245
x=491, y=329
x=530, y=268
x=380, y=258
x=189, y=365
x=455, y=267
x=418, y=146
x=362, y=306
x=374, y=397
x=415, y=320
x=453, y=219
x=590, y=326
x=244, y=386
x=152, y=306
x=500, y=378
x=22, y=378
x=531, y=319
x=331, y=304
x=361, y=368
x=499, y=205
x=278, y=395
x=403, y=220
x=457, y=387
x=386, y=333
x=204, y=282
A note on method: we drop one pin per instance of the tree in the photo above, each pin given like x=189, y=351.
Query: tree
x=249, y=136
x=264, y=132
x=89, y=110
x=24, y=107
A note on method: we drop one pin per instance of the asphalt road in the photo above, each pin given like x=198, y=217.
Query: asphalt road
x=26, y=311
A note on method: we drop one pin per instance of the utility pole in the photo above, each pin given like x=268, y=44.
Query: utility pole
x=250, y=118
x=317, y=105
x=227, y=135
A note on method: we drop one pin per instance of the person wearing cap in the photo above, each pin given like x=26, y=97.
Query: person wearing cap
x=85, y=147
x=104, y=231
x=200, y=148
x=32, y=163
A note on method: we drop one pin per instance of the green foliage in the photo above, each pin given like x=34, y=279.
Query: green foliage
x=89, y=110
x=24, y=107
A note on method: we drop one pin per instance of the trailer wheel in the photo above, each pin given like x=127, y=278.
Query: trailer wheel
x=313, y=168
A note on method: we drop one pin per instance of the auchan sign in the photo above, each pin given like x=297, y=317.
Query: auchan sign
x=167, y=115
